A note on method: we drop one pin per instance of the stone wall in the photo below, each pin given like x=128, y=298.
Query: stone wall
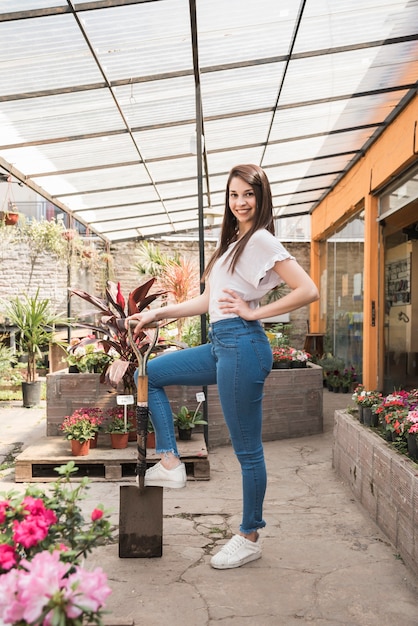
x=384, y=482
x=292, y=404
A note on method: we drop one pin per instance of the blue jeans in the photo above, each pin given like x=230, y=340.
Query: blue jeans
x=238, y=360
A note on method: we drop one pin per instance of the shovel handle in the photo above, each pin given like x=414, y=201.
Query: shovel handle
x=141, y=442
x=142, y=398
x=143, y=357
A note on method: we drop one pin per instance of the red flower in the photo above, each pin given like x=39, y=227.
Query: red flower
x=96, y=515
x=119, y=297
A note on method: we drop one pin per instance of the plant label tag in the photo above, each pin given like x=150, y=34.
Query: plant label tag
x=200, y=396
x=124, y=399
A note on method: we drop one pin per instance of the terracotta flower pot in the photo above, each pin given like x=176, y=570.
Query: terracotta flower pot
x=119, y=440
x=10, y=219
x=132, y=433
x=93, y=442
x=79, y=448
x=151, y=440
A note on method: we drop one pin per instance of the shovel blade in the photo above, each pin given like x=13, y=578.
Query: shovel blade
x=140, y=522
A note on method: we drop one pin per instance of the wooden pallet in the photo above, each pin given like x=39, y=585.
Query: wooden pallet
x=37, y=462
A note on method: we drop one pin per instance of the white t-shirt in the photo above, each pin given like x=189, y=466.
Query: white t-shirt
x=253, y=276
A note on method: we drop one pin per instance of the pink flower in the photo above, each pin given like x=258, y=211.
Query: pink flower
x=43, y=579
x=11, y=610
x=96, y=515
x=7, y=556
x=4, y=505
x=35, y=506
x=88, y=590
x=29, y=532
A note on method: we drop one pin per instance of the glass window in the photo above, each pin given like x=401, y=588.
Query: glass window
x=342, y=293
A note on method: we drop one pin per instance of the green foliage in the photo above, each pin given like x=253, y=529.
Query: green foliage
x=70, y=529
x=331, y=365
x=43, y=236
x=191, y=333
x=186, y=419
x=90, y=358
x=117, y=425
x=36, y=325
x=177, y=275
x=279, y=335
x=8, y=360
x=152, y=261
x=81, y=430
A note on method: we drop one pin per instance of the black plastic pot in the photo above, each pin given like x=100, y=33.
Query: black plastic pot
x=31, y=393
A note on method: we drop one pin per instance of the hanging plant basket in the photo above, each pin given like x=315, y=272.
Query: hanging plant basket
x=10, y=219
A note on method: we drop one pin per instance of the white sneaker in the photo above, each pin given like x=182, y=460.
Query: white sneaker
x=238, y=551
x=159, y=476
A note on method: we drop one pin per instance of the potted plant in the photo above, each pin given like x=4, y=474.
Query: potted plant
x=150, y=435
x=79, y=430
x=334, y=380
x=110, y=327
x=89, y=357
x=119, y=430
x=9, y=376
x=282, y=357
x=300, y=358
x=35, y=324
x=366, y=401
x=348, y=378
x=412, y=432
x=43, y=578
x=11, y=216
x=330, y=364
x=186, y=420
x=95, y=416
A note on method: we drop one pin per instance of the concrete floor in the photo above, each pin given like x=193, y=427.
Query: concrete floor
x=324, y=561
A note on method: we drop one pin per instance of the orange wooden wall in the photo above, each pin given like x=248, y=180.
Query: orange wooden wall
x=394, y=151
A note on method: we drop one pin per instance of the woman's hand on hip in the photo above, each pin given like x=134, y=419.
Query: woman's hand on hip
x=233, y=303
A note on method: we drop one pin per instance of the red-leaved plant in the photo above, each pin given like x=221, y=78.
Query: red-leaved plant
x=110, y=328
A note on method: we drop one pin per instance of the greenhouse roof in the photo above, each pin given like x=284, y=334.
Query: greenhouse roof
x=104, y=104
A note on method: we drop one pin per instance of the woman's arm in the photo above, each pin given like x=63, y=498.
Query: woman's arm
x=195, y=306
x=304, y=291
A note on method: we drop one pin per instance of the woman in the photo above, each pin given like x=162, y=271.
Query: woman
x=248, y=263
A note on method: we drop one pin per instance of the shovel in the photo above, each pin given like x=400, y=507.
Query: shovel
x=141, y=508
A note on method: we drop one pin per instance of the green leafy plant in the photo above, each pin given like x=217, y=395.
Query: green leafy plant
x=186, y=419
x=8, y=360
x=83, y=424
x=118, y=426
x=90, y=357
x=177, y=275
x=36, y=326
x=366, y=398
x=78, y=427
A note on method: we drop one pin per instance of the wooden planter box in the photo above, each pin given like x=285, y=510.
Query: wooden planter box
x=292, y=402
x=382, y=480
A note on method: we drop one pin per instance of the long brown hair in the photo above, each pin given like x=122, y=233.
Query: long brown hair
x=256, y=177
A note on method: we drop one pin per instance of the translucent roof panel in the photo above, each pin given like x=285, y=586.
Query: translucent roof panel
x=102, y=103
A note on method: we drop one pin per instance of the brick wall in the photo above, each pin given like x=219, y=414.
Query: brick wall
x=297, y=393
x=383, y=481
